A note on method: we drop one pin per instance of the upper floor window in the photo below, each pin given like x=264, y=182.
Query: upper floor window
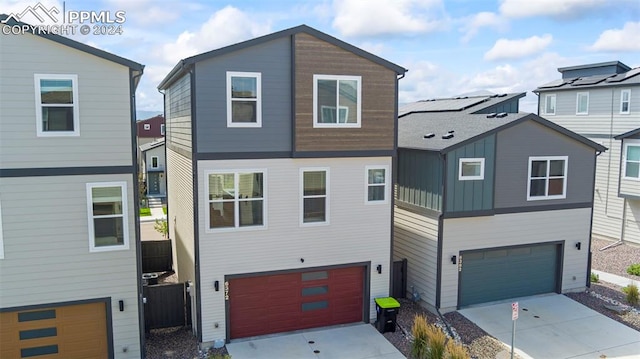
x=631, y=160
x=550, y=104
x=147, y=127
x=471, y=169
x=314, y=186
x=154, y=162
x=244, y=99
x=162, y=129
x=547, y=178
x=582, y=103
x=235, y=199
x=108, y=216
x=57, y=105
x=336, y=101
x=377, y=184
x=625, y=100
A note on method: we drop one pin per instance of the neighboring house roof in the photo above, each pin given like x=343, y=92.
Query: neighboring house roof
x=626, y=78
x=184, y=64
x=151, y=145
x=471, y=103
x=591, y=66
x=152, y=119
x=628, y=134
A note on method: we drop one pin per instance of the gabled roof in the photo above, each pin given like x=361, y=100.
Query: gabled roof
x=184, y=64
x=468, y=104
x=628, y=134
x=152, y=145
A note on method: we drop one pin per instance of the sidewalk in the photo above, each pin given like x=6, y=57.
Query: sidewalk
x=156, y=213
x=615, y=279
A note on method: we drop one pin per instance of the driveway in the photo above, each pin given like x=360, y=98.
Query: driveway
x=554, y=326
x=358, y=341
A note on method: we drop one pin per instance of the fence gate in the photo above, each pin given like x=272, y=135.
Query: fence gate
x=167, y=305
x=399, y=278
x=156, y=256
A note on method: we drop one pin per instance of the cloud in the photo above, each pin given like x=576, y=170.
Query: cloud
x=625, y=39
x=514, y=49
x=553, y=8
x=474, y=23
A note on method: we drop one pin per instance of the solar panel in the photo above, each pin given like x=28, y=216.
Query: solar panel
x=624, y=76
x=591, y=80
x=555, y=83
x=442, y=105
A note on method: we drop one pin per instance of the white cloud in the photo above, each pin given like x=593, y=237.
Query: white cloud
x=514, y=49
x=386, y=17
x=474, y=23
x=553, y=8
x=625, y=39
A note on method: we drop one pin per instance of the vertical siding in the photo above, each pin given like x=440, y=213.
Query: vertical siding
x=510, y=106
x=420, y=178
x=177, y=101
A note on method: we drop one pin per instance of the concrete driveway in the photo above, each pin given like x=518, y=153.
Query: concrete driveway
x=358, y=341
x=555, y=326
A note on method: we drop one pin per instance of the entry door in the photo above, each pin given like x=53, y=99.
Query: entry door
x=154, y=182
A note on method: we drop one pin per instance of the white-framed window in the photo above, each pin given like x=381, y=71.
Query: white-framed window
x=377, y=184
x=550, y=104
x=154, y=162
x=625, y=101
x=147, y=126
x=244, y=99
x=631, y=160
x=236, y=199
x=470, y=169
x=1, y=234
x=57, y=110
x=582, y=103
x=547, y=177
x=162, y=129
x=108, y=216
x=337, y=101
x=314, y=199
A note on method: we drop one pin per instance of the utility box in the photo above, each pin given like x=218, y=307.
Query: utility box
x=387, y=310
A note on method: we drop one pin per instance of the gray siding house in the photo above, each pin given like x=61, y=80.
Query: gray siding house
x=601, y=102
x=153, y=165
x=69, y=274
x=490, y=206
x=276, y=146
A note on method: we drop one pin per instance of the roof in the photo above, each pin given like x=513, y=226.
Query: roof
x=471, y=103
x=183, y=65
x=150, y=119
x=628, y=134
x=630, y=77
x=152, y=145
x=590, y=66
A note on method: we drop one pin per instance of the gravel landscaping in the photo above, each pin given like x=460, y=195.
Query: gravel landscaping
x=615, y=259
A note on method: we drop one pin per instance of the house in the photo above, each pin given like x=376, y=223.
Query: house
x=152, y=165
x=69, y=270
x=279, y=158
x=490, y=206
x=150, y=129
x=601, y=101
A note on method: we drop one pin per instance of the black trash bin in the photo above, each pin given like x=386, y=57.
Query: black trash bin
x=387, y=310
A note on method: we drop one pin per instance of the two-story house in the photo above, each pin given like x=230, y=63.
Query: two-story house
x=70, y=283
x=152, y=158
x=601, y=102
x=279, y=158
x=490, y=206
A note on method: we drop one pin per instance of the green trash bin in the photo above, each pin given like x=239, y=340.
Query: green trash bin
x=387, y=310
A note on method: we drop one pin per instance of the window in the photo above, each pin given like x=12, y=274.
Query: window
x=470, y=169
x=244, y=99
x=376, y=180
x=625, y=101
x=547, y=178
x=631, y=160
x=236, y=199
x=550, y=104
x=162, y=129
x=147, y=127
x=314, y=186
x=57, y=105
x=336, y=101
x=108, y=216
x=582, y=103
x=154, y=161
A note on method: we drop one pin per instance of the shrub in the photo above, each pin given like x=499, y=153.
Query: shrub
x=632, y=293
x=634, y=269
x=437, y=342
x=456, y=351
x=419, y=347
x=161, y=226
x=145, y=212
x=594, y=278
x=164, y=209
x=218, y=356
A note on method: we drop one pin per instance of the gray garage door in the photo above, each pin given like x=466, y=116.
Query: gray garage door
x=503, y=273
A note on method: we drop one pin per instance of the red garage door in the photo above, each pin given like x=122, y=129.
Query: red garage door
x=284, y=302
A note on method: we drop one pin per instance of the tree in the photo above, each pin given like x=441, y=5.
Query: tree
x=162, y=227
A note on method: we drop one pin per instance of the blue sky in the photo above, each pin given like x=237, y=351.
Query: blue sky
x=450, y=47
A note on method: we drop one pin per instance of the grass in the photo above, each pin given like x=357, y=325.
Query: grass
x=144, y=212
x=164, y=209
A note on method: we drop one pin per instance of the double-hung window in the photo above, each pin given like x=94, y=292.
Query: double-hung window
x=108, y=216
x=377, y=184
x=582, y=103
x=550, y=104
x=57, y=111
x=631, y=160
x=244, y=99
x=625, y=101
x=547, y=178
x=470, y=169
x=236, y=199
x=337, y=101
x=314, y=186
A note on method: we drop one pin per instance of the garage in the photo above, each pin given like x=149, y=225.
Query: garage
x=72, y=331
x=281, y=302
x=501, y=273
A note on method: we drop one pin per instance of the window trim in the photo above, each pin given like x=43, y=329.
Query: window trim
x=236, y=214
x=564, y=183
x=358, y=123
x=622, y=92
x=40, y=132
x=258, y=99
x=471, y=178
x=578, y=94
x=627, y=143
x=302, y=197
x=124, y=215
x=547, y=97
x=157, y=162
x=386, y=186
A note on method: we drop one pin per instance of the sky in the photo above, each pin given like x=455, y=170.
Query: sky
x=450, y=47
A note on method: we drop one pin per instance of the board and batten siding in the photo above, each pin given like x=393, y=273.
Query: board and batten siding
x=103, y=103
x=569, y=226
x=177, y=102
x=47, y=258
x=415, y=238
x=420, y=178
x=357, y=232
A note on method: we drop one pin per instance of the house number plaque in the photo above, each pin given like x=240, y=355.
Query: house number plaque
x=226, y=290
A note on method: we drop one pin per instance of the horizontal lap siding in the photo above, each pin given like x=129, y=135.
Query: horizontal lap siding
x=632, y=224
x=178, y=111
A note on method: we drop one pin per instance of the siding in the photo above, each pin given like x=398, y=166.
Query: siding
x=471, y=195
x=357, y=232
x=632, y=223
x=177, y=101
x=47, y=259
x=415, y=237
x=103, y=100
x=273, y=61
x=420, y=178
x=629, y=187
x=509, y=107
x=314, y=56
x=569, y=226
